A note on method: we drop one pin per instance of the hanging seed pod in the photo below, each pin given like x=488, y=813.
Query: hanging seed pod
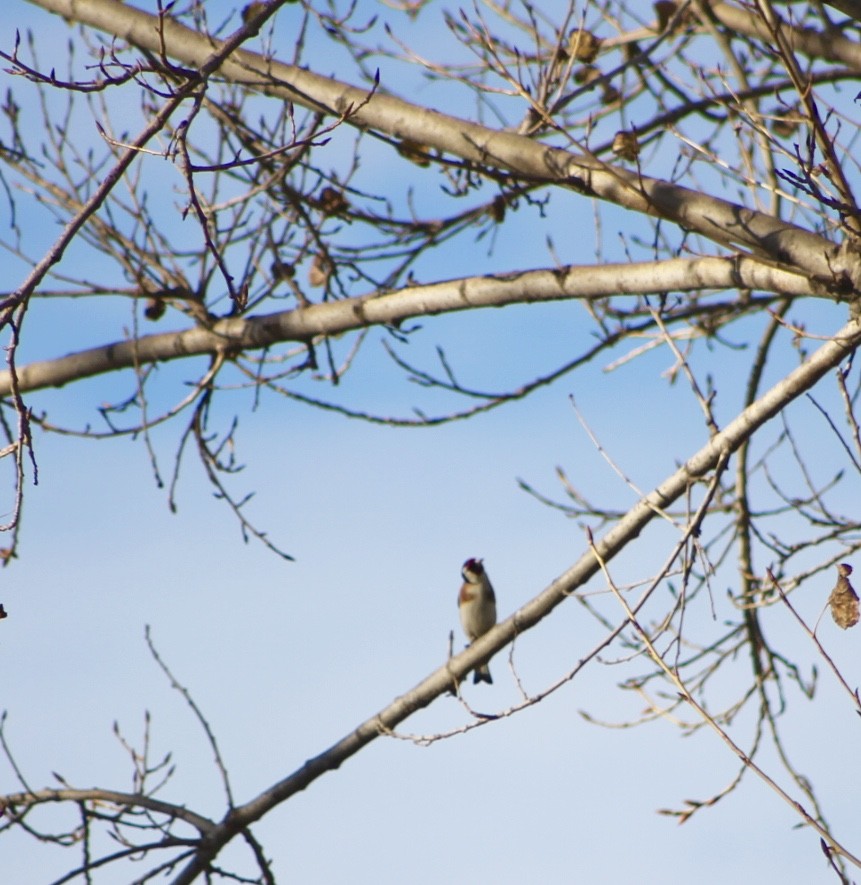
x=587, y=74
x=664, y=10
x=625, y=145
x=154, y=309
x=332, y=201
x=417, y=153
x=497, y=209
x=584, y=46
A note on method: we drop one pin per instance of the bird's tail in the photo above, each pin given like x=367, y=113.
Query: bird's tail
x=482, y=674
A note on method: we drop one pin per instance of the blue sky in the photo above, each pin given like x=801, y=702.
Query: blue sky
x=285, y=658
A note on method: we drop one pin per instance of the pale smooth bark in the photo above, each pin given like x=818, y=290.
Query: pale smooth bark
x=235, y=334
x=719, y=220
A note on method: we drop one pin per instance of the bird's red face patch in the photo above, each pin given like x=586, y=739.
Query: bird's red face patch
x=473, y=565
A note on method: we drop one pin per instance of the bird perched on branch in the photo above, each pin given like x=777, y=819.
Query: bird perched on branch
x=843, y=599
x=477, y=604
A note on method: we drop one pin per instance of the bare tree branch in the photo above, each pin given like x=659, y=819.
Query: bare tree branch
x=233, y=335
x=719, y=220
x=709, y=458
x=726, y=130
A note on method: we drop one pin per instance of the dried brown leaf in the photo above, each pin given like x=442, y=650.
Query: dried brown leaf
x=320, y=271
x=844, y=600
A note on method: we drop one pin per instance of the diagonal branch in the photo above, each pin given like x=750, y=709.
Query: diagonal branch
x=719, y=220
x=720, y=447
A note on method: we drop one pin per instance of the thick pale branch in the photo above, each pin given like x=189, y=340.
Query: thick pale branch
x=719, y=220
x=812, y=43
x=719, y=448
x=785, y=259
x=236, y=334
